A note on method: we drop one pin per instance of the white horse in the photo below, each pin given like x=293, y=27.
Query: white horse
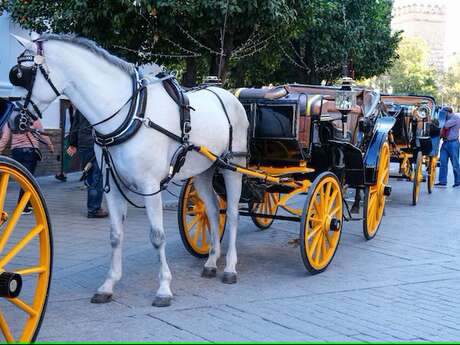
x=98, y=84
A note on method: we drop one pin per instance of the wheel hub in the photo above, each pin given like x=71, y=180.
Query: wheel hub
x=10, y=284
x=334, y=225
x=387, y=191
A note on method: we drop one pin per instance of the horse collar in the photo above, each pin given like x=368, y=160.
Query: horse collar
x=133, y=120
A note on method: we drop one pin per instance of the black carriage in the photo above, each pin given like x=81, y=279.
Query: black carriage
x=303, y=140
x=414, y=138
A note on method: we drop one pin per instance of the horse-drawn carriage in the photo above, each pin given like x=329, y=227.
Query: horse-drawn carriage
x=25, y=249
x=414, y=138
x=303, y=140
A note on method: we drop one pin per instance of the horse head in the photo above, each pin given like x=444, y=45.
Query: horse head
x=32, y=74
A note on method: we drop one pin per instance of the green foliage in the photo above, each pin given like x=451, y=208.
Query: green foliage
x=450, y=89
x=412, y=72
x=264, y=40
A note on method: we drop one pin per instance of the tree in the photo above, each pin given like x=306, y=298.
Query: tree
x=411, y=73
x=338, y=35
x=450, y=85
x=245, y=42
x=199, y=32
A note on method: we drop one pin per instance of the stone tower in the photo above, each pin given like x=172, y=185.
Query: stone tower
x=426, y=19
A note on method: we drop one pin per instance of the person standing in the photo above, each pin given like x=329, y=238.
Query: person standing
x=450, y=148
x=81, y=141
x=25, y=148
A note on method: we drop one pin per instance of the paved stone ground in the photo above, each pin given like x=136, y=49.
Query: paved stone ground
x=403, y=285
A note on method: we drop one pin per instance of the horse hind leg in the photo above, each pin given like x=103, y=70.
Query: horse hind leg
x=154, y=209
x=233, y=187
x=203, y=185
x=118, y=210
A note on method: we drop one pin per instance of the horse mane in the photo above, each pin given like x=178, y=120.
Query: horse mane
x=93, y=47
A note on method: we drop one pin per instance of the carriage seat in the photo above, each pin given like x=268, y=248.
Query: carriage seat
x=6, y=108
x=264, y=93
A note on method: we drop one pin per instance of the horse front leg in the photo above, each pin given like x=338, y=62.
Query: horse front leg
x=233, y=189
x=118, y=211
x=154, y=209
x=203, y=185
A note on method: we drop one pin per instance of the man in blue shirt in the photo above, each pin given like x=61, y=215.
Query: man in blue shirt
x=450, y=148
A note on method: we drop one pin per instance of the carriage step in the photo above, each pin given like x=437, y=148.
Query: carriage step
x=10, y=284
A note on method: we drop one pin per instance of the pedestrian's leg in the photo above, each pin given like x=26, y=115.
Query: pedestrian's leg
x=444, y=159
x=98, y=192
x=454, y=158
x=29, y=161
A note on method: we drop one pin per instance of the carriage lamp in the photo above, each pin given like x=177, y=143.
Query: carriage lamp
x=345, y=100
x=212, y=80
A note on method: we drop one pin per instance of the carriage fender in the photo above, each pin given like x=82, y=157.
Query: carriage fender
x=382, y=127
x=436, y=139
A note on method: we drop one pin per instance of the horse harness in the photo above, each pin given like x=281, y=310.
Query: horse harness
x=24, y=76
x=136, y=117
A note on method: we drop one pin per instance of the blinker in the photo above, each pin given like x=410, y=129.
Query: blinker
x=22, y=76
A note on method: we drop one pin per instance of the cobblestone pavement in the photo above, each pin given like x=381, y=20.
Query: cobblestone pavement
x=403, y=285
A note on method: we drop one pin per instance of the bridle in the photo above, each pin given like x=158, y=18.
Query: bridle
x=25, y=77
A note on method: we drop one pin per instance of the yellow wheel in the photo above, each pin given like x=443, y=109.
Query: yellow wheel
x=374, y=196
x=321, y=225
x=268, y=206
x=417, y=178
x=193, y=221
x=431, y=168
x=25, y=254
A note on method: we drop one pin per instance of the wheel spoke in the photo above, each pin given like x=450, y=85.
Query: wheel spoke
x=314, y=242
x=317, y=207
x=20, y=245
x=318, y=247
x=316, y=220
x=192, y=223
x=204, y=239
x=23, y=306
x=335, y=210
x=6, y=329
x=314, y=231
x=3, y=189
x=328, y=195
x=197, y=232
x=31, y=270
x=14, y=219
x=329, y=239
x=323, y=246
x=332, y=199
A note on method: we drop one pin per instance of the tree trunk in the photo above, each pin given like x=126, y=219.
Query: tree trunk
x=220, y=68
x=189, y=77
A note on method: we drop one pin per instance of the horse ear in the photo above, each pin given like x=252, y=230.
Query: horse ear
x=27, y=44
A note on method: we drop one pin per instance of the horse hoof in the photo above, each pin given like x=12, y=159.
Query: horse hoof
x=100, y=298
x=162, y=301
x=229, y=278
x=209, y=272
